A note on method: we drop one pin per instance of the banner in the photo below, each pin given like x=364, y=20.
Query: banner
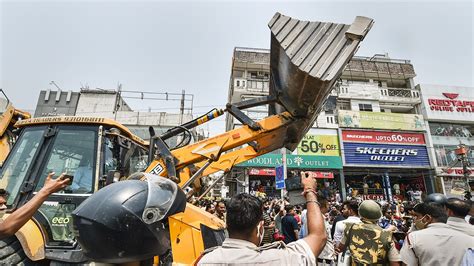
x=320, y=175
x=263, y=171
x=356, y=119
x=368, y=154
x=323, y=145
x=382, y=137
x=295, y=161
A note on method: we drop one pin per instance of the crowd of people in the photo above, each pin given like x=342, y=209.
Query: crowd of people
x=436, y=231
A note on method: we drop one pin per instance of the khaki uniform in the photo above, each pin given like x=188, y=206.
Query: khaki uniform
x=241, y=252
x=460, y=225
x=438, y=244
x=370, y=243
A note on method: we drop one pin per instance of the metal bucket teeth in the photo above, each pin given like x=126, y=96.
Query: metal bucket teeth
x=308, y=57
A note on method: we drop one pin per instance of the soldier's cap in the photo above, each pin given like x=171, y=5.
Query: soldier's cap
x=370, y=210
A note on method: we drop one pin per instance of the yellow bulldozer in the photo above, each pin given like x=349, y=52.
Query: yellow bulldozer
x=9, y=115
x=129, y=199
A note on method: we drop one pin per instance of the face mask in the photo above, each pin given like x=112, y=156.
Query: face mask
x=419, y=224
x=260, y=236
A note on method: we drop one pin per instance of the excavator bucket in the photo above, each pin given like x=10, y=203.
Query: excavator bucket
x=306, y=60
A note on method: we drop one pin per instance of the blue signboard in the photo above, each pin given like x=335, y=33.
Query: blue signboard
x=368, y=154
x=279, y=177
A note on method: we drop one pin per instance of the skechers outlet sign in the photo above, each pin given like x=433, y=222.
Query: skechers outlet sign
x=370, y=154
x=387, y=148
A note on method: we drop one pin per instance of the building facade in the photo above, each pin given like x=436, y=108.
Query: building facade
x=371, y=130
x=109, y=104
x=382, y=132
x=449, y=111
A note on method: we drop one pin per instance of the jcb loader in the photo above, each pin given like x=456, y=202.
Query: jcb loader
x=111, y=215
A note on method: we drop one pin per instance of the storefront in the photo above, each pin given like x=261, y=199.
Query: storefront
x=449, y=111
x=317, y=153
x=385, y=163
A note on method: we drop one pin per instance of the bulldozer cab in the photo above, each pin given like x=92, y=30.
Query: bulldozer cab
x=94, y=154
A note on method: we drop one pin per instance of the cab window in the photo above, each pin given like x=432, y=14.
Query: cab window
x=73, y=153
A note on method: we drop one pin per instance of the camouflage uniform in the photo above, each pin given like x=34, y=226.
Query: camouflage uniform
x=368, y=243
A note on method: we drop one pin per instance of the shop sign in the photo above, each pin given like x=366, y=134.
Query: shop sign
x=295, y=161
x=382, y=137
x=317, y=174
x=450, y=104
x=379, y=197
x=370, y=154
x=377, y=120
x=263, y=171
x=323, y=145
x=455, y=171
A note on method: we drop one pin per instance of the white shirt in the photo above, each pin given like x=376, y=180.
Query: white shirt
x=341, y=225
x=241, y=252
x=460, y=225
x=438, y=244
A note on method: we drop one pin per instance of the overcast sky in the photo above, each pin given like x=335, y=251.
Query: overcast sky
x=171, y=46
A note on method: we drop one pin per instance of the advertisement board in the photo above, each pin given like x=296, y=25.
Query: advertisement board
x=295, y=161
x=382, y=137
x=387, y=155
x=376, y=120
x=262, y=171
x=322, y=145
x=447, y=103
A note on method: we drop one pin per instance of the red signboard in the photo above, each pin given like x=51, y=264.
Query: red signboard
x=379, y=197
x=382, y=137
x=450, y=104
x=455, y=172
x=262, y=171
x=315, y=174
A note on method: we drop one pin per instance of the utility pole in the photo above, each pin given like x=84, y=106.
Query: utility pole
x=461, y=153
x=182, y=107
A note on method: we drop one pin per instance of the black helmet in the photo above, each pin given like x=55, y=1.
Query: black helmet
x=126, y=221
x=437, y=198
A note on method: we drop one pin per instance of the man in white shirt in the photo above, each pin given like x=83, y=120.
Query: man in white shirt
x=350, y=209
x=434, y=243
x=457, y=210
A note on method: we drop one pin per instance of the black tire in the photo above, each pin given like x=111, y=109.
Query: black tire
x=11, y=252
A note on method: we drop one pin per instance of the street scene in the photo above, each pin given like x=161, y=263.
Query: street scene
x=221, y=133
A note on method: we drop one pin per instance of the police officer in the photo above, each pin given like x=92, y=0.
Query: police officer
x=435, y=242
x=246, y=230
x=457, y=210
x=367, y=242
x=13, y=222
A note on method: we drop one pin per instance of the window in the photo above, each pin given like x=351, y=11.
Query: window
x=15, y=169
x=365, y=107
x=238, y=83
x=344, y=106
x=446, y=155
x=452, y=130
x=73, y=152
